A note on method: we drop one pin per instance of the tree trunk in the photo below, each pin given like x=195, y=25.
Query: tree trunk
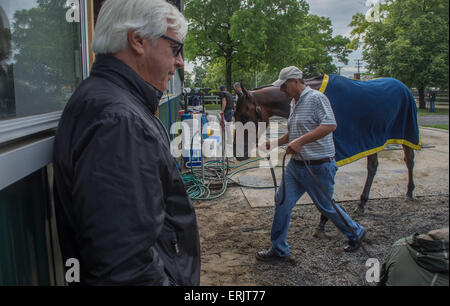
x=422, y=104
x=228, y=62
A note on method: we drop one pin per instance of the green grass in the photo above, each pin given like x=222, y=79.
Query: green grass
x=213, y=106
x=439, y=111
x=439, y=126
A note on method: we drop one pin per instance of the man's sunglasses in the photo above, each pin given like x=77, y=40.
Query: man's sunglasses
x=177, y=50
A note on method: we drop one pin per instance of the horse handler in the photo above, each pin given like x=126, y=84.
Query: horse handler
x=310, y=133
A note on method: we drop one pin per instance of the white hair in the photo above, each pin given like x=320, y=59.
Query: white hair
x=150, y=18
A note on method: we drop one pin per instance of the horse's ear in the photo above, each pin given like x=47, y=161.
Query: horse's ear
x=245, y=92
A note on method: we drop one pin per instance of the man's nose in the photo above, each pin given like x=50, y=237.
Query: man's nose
x=179, y=62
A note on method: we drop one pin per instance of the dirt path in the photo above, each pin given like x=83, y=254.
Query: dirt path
x=231, y=232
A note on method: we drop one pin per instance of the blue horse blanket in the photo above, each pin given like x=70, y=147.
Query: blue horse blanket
x=369, y=115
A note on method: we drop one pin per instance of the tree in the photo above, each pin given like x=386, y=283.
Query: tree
x=260, y=36
x=409, y=43
x=188, y=79
x=316, y=47
x=208, y=35
x=199, y=73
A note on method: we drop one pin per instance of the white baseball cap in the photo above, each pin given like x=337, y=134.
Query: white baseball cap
x=287, y=73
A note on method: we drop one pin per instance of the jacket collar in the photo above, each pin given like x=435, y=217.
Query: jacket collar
x=116, y=71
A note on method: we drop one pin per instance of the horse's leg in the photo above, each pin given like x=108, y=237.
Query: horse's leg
x=319, y=232
x=372, y=165
x=320, y=229
x=323, y=221
x=409, y=160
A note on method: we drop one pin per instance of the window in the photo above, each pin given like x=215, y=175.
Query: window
x=40, y=57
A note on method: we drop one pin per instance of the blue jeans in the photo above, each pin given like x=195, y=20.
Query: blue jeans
x=299, y=181
x=228, y=114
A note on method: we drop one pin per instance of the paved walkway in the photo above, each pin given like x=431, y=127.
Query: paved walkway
x=433, y=119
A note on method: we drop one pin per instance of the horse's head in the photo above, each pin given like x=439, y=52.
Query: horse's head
x=246, y=111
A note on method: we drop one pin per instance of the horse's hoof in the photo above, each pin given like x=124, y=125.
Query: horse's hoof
x=319, y=234
x=359, y=210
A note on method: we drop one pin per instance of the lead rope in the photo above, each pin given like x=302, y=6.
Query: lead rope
x=283, y=190
x=320, y=187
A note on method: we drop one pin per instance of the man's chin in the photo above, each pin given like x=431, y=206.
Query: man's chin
x=160, y=86
x=163, y=85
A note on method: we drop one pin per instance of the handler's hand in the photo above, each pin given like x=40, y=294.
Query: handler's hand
x=294, y=146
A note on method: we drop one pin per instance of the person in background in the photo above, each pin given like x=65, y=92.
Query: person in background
x=226, y=99
x=432, y=96
x=121, y=206
x=227, y=113
x=237, y=90
x=195, y=98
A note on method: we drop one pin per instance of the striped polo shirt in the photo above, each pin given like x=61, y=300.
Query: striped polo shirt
x=311, y=110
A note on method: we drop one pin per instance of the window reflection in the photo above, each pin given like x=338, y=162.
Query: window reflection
x=7, y=105
x=40, y=57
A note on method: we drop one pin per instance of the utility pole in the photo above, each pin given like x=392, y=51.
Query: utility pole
x=358, y=65
x=357, y=76
x=339, y=69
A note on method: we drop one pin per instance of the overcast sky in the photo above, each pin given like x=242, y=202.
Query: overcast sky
x=340, y=13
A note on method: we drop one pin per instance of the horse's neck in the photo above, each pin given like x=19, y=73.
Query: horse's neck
x=314, y=83
x=274, y=102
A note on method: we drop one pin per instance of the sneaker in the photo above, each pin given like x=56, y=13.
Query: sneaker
x=353, y=246
x=269, y=255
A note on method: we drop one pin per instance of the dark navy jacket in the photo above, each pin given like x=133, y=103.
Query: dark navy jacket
x=121, y=206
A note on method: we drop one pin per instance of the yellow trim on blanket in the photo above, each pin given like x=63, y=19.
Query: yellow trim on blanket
x=324, y=83
x=376, y=150
x=353, y=158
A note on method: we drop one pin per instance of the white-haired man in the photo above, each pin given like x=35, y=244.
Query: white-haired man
x=121, y=207
x=310, y=133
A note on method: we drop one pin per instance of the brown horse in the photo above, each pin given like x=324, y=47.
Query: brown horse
x=259, y=105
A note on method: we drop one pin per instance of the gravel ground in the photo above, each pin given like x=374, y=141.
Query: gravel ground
x=231, y=232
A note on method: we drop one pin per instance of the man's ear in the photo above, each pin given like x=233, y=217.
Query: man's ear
x=135, y=42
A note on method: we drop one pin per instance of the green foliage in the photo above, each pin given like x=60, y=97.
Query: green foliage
x=215, y=74
x=439, y=126
x=188, y=79
x=410, y=42
x=438, y=111
x=213, y=106
x=242, y=39
x=199, y=76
